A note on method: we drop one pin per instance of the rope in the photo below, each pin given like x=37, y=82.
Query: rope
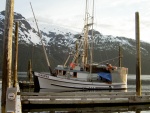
x=108, y=60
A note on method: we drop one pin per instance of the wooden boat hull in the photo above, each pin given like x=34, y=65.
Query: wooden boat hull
x=63, y=84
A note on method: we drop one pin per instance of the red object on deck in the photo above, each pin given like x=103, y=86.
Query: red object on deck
x=72, y=65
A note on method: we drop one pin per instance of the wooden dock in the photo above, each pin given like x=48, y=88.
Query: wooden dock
x=26, y=84
x=70, y=99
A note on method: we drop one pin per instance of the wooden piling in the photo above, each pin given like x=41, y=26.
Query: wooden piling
x=7, y=51
x=32, y=57
x=29, y=71
x=138, y=56
x=15, y=81
x=120, y=57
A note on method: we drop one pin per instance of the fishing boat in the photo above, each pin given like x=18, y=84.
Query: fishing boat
x=82, y=73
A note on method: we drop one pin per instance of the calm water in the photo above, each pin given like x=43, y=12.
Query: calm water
x=145, y=80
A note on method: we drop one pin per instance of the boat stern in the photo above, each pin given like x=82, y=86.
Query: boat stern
x=119, y=75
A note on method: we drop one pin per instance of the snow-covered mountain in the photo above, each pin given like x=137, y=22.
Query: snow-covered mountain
x=28, y=32
x=59, y=40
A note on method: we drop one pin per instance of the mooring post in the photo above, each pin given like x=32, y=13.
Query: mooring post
x=138, y=56
x=7, y=51
x=120, y=56
x=15, y=81
x=29, y=71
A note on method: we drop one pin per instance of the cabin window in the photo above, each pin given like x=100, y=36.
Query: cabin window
x=64, y=72
x=75, y=74
x=81, y=69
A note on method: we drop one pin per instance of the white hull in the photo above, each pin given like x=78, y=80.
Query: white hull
x=64, y=84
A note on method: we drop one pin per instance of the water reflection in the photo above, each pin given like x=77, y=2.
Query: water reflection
x=115, y=109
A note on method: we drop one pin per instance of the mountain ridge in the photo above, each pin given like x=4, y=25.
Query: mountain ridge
x=60, y=42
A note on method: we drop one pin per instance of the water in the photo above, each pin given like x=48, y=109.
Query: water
x=145, y=82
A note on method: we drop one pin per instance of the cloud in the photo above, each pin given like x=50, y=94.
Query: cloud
x=114, y=17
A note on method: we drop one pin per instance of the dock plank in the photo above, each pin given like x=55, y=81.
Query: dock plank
x=85, y=98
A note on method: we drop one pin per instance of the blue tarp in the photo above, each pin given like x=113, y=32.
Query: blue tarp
x=105, y=75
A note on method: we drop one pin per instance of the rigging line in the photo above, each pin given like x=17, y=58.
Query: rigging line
x=66, y=26
x=40, y=35
x=115, y=63
x=80, y=46
x=109, y=60
x=105, y=45
x=80, y=49
x=75, y=56
x=72, y=26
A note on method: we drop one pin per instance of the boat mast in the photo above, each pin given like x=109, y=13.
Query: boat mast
x=86, y=31
x=40, y=35
x=92, y=38
x=85, y=43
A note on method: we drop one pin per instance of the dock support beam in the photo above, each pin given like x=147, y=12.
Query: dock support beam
x=138, y=56
x=7, y=51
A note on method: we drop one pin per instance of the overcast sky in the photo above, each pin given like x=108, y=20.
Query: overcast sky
x=111, y=17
